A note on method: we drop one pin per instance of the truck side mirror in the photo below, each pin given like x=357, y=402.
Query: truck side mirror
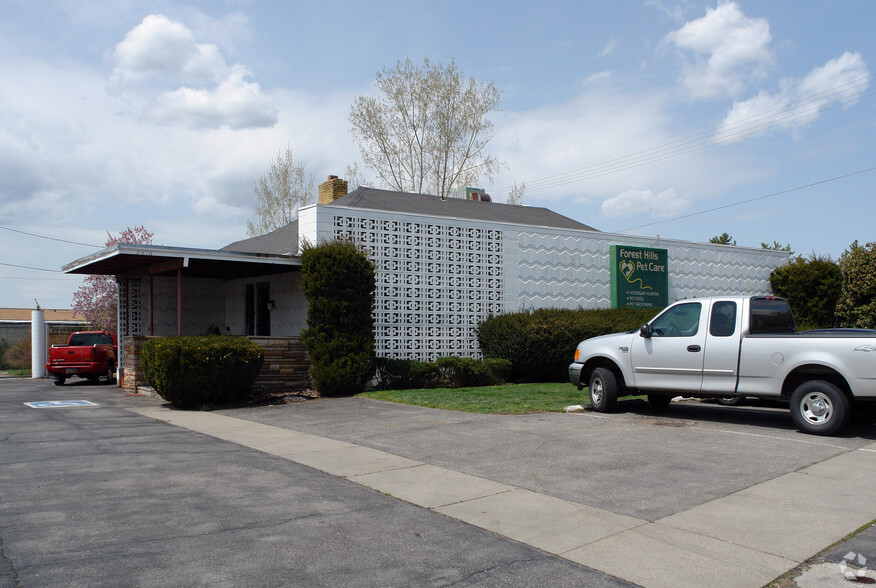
x=645, y=331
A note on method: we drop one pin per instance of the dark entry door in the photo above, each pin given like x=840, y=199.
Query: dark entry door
x=263, y=309
x=249, y=311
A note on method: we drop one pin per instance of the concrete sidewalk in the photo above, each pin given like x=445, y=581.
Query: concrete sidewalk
x=745, y=538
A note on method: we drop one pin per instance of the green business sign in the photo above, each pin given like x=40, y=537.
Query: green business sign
x=639, y=277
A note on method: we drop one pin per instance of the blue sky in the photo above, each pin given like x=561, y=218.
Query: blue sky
x=678, y=119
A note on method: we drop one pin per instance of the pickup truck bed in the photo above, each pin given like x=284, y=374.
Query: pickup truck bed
x=87, y=354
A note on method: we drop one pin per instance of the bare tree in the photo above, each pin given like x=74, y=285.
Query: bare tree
x=427, y=132
x=354, y=177
x=280, y=192
x=515, y=195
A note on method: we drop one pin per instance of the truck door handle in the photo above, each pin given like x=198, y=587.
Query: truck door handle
x=693, y=348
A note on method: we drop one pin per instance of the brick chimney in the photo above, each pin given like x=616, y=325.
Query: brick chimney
x=332, y=189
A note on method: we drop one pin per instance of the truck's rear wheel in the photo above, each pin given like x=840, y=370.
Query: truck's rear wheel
x=110, y=372
x=603, y=390
x=59, y=380
x=819, y=408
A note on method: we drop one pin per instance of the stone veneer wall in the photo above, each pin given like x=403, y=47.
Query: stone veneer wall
x=286, y=367
x=132, y=374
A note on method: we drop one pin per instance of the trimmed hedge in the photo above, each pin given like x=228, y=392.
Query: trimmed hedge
x=194, y=371
x=540, y=344
x=338, y=280
x=446, y=372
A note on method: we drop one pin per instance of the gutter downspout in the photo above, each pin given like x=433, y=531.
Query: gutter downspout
x=179, y=270
x=179, y=301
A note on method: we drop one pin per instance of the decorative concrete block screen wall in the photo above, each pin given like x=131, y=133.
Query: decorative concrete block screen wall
x=437, y=278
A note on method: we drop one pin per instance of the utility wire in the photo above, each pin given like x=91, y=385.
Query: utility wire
x=683, y=216
x=30, y=268
x=40, y=279
x=51, y=238
x=760, y=123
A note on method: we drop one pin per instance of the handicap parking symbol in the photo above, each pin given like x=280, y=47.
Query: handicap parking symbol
x=59, y=403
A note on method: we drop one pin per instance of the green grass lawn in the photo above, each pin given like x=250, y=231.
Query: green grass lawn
x=507, y=399
x=11, y=372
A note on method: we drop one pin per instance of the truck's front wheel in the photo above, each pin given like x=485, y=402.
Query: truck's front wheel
x=819, y=408
x=603, y=390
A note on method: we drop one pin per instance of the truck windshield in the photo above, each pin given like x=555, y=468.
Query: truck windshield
x=771, y=315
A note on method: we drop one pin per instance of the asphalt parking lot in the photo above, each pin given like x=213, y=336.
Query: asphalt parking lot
x=637, y=462
x=104, y=495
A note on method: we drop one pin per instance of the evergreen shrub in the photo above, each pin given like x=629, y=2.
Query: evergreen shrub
x=407, y=374
x=856, y=306
x=466, y=372
x=812, y=287
x=191, y=371
x=446, y=372
x=338, y=280
x=540, y=344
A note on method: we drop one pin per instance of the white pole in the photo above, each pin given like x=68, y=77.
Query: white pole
x=38, y=344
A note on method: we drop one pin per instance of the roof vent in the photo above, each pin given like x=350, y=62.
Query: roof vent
x=471, y=194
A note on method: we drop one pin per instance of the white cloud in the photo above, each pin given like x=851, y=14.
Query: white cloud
x=663, y=205
x=234, y=103
x=798, y=103
x=160, y=47
x=158, y=52
x=595, y=148
x=728, y=51
x=674, y=12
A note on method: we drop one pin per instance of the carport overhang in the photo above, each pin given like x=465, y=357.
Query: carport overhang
x=127, y=261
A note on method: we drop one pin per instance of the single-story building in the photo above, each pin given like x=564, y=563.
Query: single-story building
x=443, y=265
x=15, y=323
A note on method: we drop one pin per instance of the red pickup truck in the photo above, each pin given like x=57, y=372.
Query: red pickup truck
x=87, y=354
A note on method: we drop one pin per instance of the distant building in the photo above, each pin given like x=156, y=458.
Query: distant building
x=15, y=323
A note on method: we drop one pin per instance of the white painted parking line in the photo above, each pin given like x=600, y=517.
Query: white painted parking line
x=60, y=403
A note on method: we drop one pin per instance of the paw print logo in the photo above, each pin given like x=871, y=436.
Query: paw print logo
x=853, y=567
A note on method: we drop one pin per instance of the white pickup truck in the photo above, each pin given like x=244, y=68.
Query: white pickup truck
x=736, y=346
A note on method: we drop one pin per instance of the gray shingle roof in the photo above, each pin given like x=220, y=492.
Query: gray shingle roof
x=284, y=241
x=388, y=200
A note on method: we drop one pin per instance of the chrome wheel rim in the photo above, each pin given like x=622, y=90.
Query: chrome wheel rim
x=816, y=408
x=596, y=391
